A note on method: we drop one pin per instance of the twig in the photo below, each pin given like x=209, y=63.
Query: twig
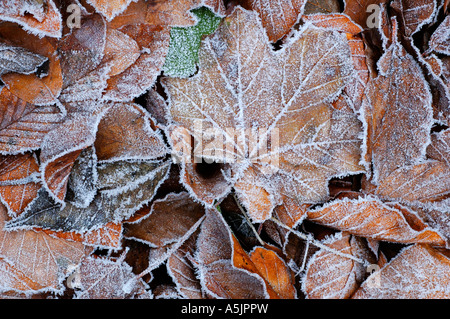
x=312, y=240
x=248, y=220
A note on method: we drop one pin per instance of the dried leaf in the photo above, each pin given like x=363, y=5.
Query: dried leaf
x=275, y=271
x=18, y=182
x=277, y=17
x=38, y=17
x=440, y=40
x=109, y=8
x=240, y=102
x=171, y=219
x=101, y=278
x=425, y=182
x=19, y=60
x=218, y=276
x=369, y=217
x=330, y=276
x=41, y=258
x=23, y=126
x=418, y=272
x=30, y=87
x=61, y=148
x=126, y=132
x=414, y=14
x=396, y=101
x=183, y=271
x=107, y=206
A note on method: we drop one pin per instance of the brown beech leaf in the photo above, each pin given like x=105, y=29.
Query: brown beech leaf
x=182, y=270
x=18, y=182
x=38, y=17
x=353, y=93
x=110, y=8
x=243, y=111
x=108, y=236
x=19, y=60
x=417, y=272
x=439, y=148
x=171, y=219
x=153, y=42
x=81, y=51
x=396, y=101
x=369, y=217
x=13, y=279
x=127, y=132
x=23, y=126
x=102, y=278
x=62, y=147
x=218, y=274
x=121, y=49
x=413, y=14
x=357, y=10
x=424, y=183
x=43, y=259
x=30, y=87
x=278, y=17
x=275, y=271
x=330, y=276
x=440, y=40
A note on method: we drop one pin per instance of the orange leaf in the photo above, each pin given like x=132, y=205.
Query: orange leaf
x=275, y=271
x=41, y=258
x=36, y=17
x=369, y=217
x=108, y=236
x=277, y=17
x=23, y=126
x=18, y=194
x=31, y=88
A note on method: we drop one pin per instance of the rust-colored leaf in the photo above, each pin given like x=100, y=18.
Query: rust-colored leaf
x=369, y=217
x=244, y=112
x=418, y=272
x=278, y=17
x=30, y=87
x=23, y=126
x=331, y=276
x=38, y=17
x=41, y=258
x=18, y=182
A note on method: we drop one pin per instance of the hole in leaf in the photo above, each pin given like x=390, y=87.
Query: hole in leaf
x=208, y=170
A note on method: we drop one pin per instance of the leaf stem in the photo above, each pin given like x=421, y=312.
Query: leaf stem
x=312, y=240
x=262, y=243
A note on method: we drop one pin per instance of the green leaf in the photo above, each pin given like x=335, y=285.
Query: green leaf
x=182, y=58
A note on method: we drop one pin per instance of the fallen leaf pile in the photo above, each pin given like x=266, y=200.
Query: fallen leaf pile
x=197, y=149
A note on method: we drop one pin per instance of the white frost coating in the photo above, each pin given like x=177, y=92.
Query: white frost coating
x=12, y=8
x=240, y=96
x=55, y=145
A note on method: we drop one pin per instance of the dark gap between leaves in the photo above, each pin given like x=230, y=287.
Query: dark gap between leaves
x=208, y=170
x=437, y=127
x=43, y=69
